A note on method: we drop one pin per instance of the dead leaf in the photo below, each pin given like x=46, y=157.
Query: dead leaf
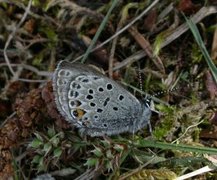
x=188, y=7
x=211, y=85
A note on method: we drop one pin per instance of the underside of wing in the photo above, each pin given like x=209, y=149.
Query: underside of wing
x=92, y=101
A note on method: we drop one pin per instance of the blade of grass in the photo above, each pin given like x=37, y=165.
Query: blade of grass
x=201, y=45
x=177, y=147
x=101, y=27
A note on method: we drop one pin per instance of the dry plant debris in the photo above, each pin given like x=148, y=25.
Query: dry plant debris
x=36, y=141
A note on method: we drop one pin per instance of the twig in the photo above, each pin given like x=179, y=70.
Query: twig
x=146, y=46
x=8, y=118
x=188, y=128
x=32, y=80
x=111, y=57
x=195, y=173
x=12, y=35
x=30, y=68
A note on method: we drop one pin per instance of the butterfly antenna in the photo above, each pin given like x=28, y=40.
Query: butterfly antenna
x=164, y=92
x=148, y=98
x=140, y=78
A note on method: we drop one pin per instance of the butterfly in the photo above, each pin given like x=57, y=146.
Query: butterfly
x=96, y=104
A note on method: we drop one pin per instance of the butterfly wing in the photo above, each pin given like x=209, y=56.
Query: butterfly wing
x=63, y=75
x=95, y=103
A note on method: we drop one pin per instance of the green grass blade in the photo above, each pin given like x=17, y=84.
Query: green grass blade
x=101, y=27
x=178, y=147
x=204, y=51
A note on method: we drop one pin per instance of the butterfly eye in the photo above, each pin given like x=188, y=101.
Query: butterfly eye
x=147, y=102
